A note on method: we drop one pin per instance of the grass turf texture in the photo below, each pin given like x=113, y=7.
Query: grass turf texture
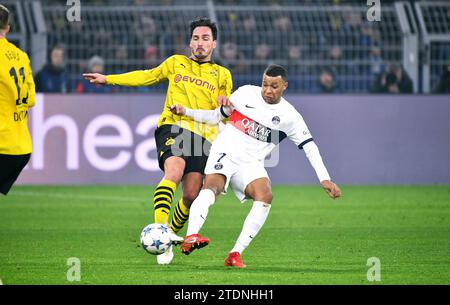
x=307, y=239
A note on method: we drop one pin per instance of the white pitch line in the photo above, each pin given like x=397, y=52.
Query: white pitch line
x=82, y=197
x=1, y=283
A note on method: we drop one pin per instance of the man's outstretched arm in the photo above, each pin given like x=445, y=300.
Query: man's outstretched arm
x=204, y=116
x=135, y=78
x=132, y=79
x=314, y=157
x=300, y=135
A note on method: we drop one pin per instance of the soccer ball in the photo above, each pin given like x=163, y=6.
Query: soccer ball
x=155, y=238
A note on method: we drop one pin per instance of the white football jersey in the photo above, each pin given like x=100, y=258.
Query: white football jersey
x=256, y=127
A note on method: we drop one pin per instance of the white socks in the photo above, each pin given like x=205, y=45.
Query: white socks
x=252, y=224
x=199, y=211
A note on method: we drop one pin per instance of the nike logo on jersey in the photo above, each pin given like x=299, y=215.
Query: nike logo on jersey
x=248, y=106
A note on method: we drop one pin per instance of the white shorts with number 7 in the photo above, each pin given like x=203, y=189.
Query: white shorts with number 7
x=238, y=174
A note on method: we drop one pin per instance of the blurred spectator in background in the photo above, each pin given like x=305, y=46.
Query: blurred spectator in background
x=327, y=81
x=151, y=57
x=335, y=57
x=232, y=58
x=279, y=36
x=296, y=62
x=282, y=24
x=149, y=34
x=146, y=34
x=262, y=52
x=75, y=32
x=249, y=23
x=97, y=65
x=120, y=59
x=443, y=86
x=352, y=22
x=262, y=55
x=180, y=46
x=231, y=2
x=121, y=53
x=366, y=36
x=376, y=61
x=247, y=39
x=52, y=78
x=294, y=54
x=297, y=68
x=394, y=81
x=102, y=37
x=316, y=46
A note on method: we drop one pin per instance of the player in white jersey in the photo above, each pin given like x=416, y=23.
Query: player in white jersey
x=259, y=118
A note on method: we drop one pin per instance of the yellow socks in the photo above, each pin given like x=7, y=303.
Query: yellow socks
x=180, y=216
x=162, y=200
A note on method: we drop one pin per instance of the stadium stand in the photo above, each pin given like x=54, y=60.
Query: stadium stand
x=310, y=37
x=18, y=28
x=434, y=18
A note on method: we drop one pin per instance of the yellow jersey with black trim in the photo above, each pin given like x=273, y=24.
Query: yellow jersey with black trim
x=17, y=94
x=191, y=84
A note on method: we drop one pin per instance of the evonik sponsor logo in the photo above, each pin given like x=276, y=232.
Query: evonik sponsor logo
x=193, y=80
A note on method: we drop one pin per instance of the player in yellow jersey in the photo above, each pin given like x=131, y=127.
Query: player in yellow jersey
x=17, y=94
x=182, y=144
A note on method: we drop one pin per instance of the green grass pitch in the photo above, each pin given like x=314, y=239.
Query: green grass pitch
x=307, y=239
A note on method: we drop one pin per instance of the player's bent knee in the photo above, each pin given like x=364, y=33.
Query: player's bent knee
x=189, y=197
x=174, y=175
x=268, y=198
x=215, y=183
x=217, y=190
x=174, y=169
x=265, y=197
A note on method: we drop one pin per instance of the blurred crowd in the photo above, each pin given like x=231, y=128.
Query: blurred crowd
x=217, y=2
x=344, y=55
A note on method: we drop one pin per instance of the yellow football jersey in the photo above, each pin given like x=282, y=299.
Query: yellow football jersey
x=191, y=84
x=17, y=94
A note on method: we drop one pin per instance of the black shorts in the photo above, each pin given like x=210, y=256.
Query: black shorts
x=10, y=168
x=172, y=140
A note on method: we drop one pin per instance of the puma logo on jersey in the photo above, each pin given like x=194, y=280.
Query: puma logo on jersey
x=169, y=142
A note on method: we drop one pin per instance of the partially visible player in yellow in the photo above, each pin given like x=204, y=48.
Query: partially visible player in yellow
x=17, y=94
x=182, y=144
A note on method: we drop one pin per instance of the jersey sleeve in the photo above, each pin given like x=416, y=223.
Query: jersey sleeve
x=237, y=97
x=301, y=136
x=30, y=83
x=298, y=131
x=210, y=116
x=315, y=159
x=143, y=77
x=226, y=85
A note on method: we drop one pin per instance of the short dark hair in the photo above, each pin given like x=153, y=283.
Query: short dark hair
x=328, y=70
x=391, y=79
x=4, y=17
x=204, y=21
x=276, y=70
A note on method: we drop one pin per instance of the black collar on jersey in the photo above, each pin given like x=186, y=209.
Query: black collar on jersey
x=202, y=62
